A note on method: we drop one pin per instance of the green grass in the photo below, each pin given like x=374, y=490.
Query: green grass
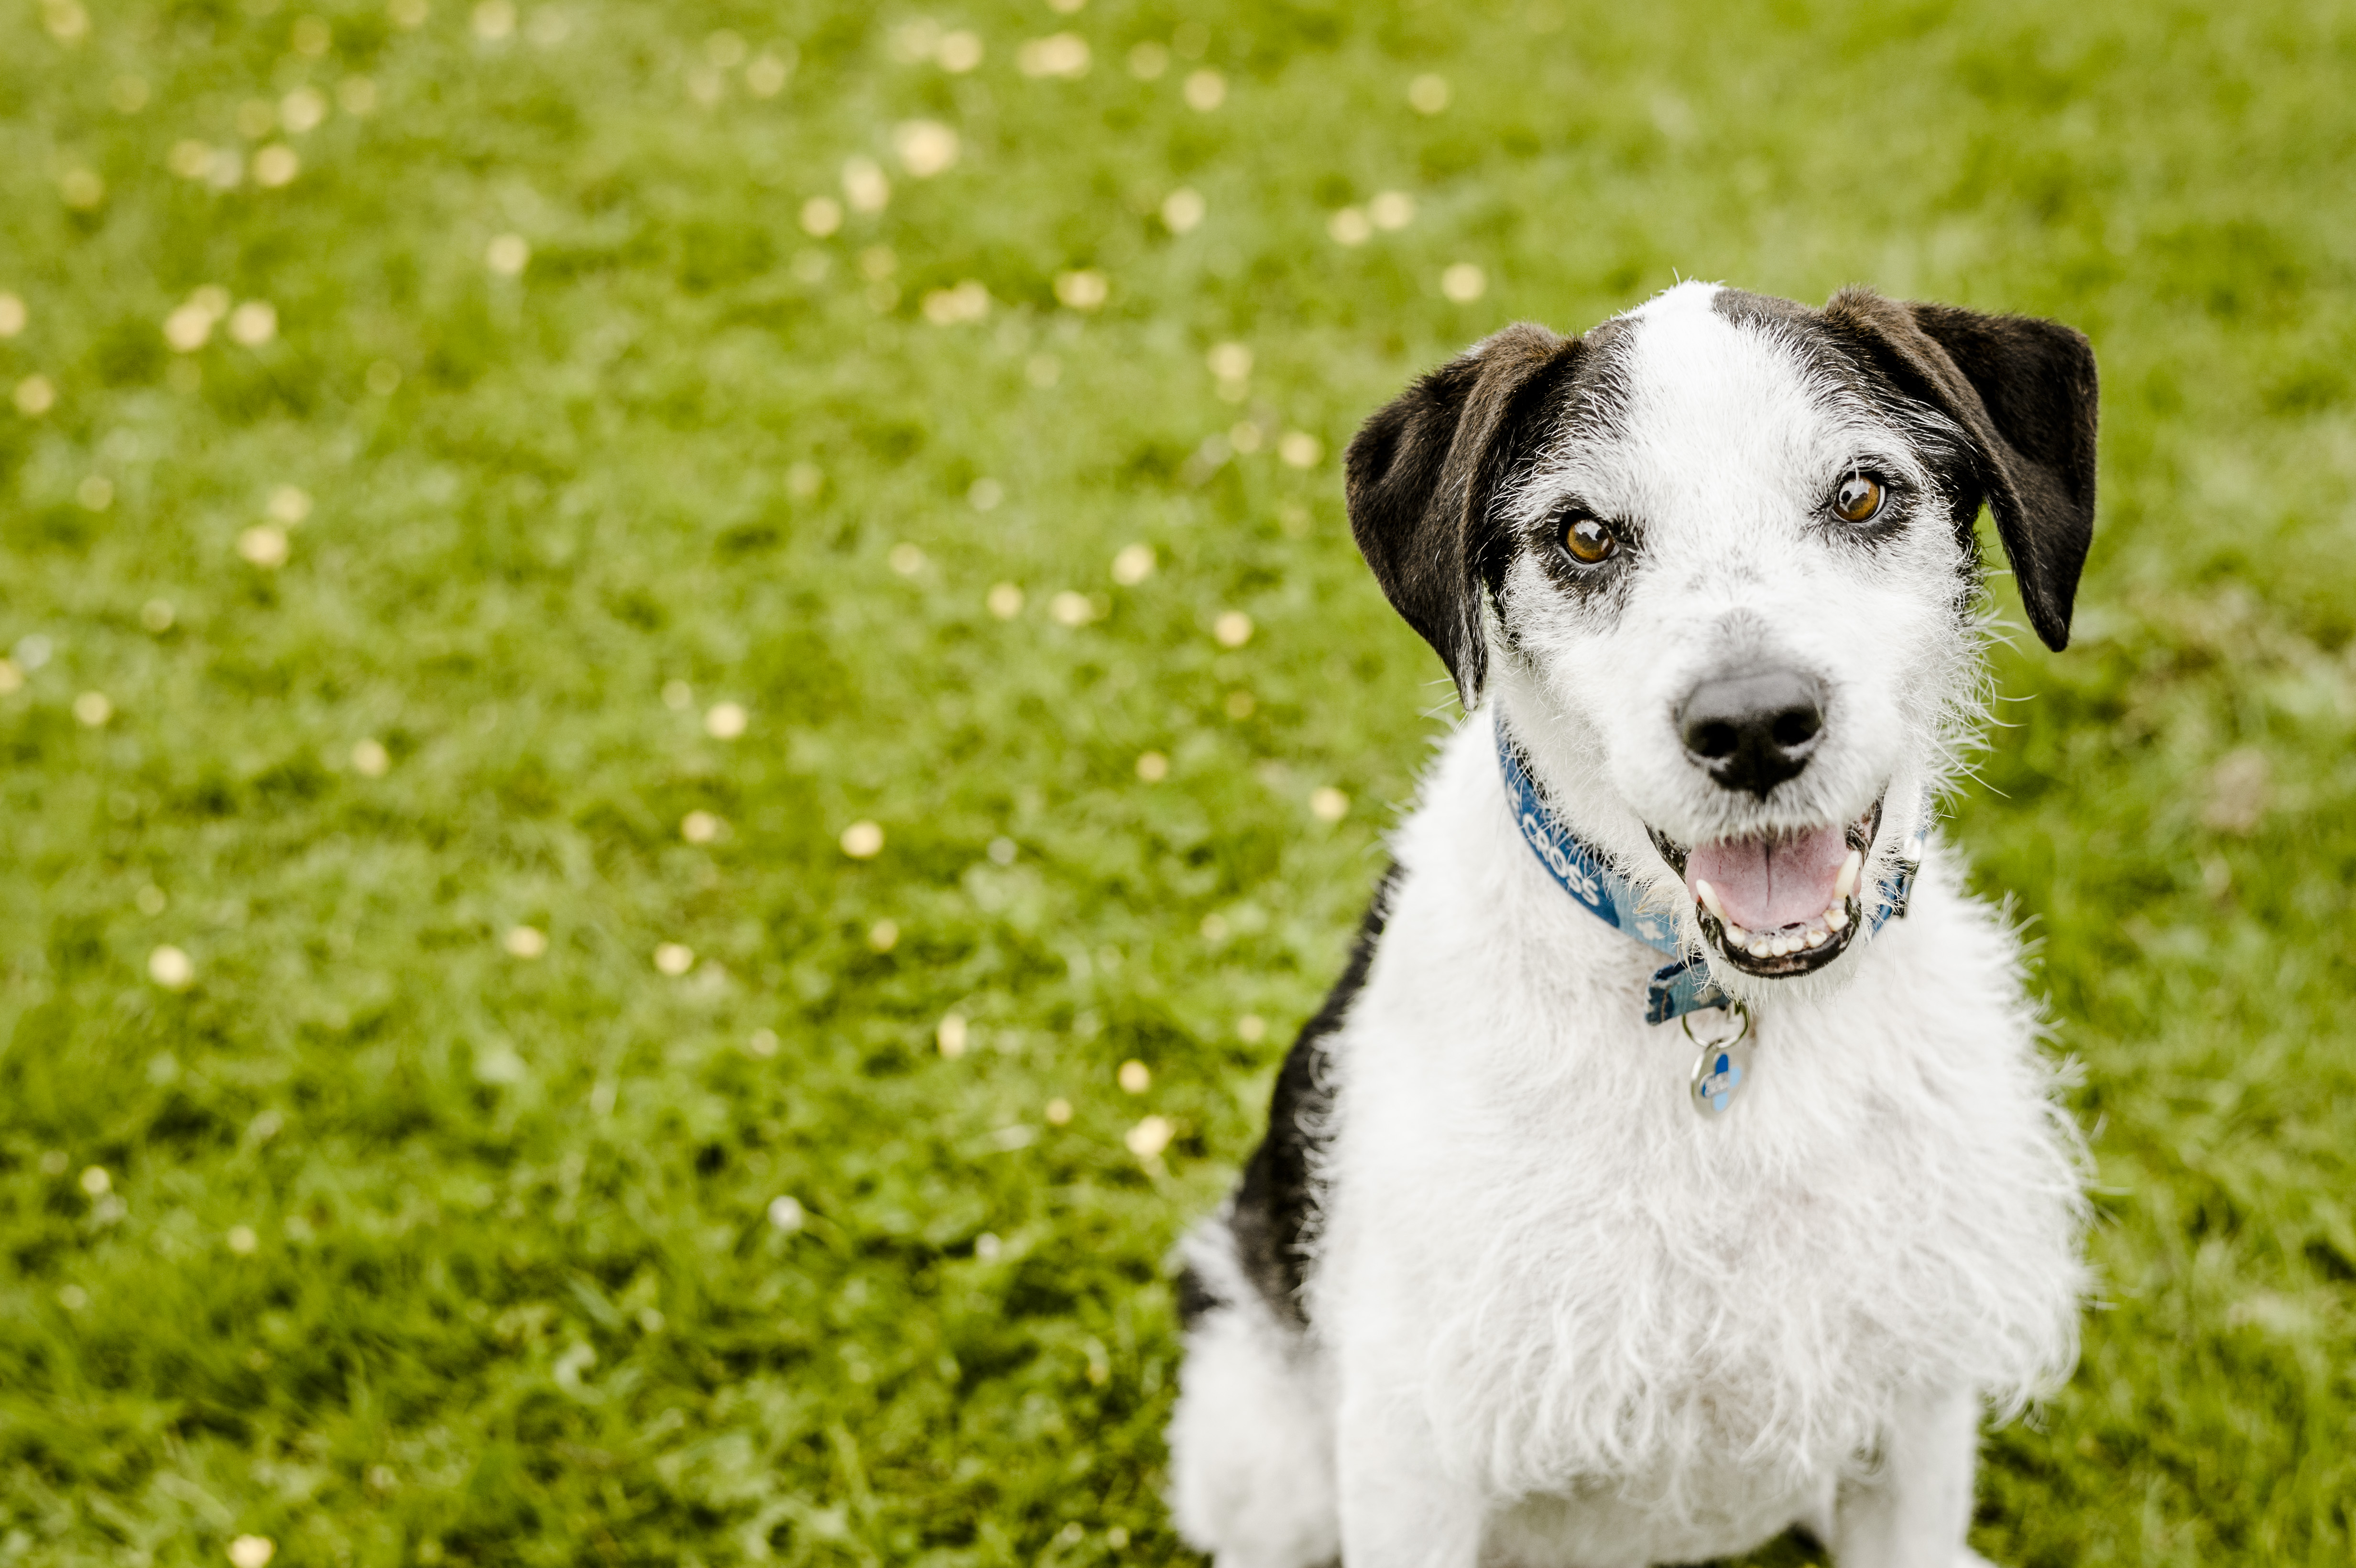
x=508, y=1289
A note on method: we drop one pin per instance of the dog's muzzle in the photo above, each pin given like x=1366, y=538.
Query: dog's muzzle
x=1780, y=906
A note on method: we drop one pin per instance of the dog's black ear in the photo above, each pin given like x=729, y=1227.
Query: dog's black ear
x=1422, y=472
x=2024, y=392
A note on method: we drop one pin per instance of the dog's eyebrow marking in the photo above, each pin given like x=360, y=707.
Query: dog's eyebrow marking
x=1592, y=408
x=1849, y=387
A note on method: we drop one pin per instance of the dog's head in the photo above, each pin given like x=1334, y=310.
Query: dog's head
x=1719, y=555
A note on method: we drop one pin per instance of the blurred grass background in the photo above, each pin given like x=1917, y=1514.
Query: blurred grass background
x=645, y=642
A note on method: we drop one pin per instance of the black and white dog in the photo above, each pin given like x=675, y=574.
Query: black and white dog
x=1522, y=1275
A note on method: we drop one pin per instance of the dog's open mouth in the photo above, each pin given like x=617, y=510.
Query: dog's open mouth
x=1779, y=906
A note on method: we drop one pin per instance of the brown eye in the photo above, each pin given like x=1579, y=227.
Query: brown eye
x=1589, y=541
x=1858, y=499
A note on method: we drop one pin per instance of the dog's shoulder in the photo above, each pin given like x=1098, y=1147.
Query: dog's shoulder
x=1273, y=1214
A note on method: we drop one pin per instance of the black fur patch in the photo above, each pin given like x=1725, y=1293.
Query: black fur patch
x=1196, y=1298
x=2023, y=391
x=1422, y=472
x=1275, y=1199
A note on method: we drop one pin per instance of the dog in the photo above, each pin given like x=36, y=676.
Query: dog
x=1555, y=1253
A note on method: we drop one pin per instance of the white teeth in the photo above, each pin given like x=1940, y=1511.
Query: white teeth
x=1736, y=936
x=1846, y=884
x=1838, y=916
x=1708, y=896
x=1817, y=938
x=1762, y=946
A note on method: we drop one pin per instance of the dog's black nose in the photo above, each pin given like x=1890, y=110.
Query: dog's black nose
x=1753, y=731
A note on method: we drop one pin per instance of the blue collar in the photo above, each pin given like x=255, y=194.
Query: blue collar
x=1683, y=985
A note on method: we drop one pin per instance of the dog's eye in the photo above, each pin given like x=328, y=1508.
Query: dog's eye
x=1858, y=499
x=1589, y=542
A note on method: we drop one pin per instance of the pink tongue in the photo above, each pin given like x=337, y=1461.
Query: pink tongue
x=1765, y=883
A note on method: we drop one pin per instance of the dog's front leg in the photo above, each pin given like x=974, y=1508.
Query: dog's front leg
x=1397, y=1509
x=1915, y=1511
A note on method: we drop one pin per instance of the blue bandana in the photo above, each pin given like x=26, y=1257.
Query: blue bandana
x=1684, y=985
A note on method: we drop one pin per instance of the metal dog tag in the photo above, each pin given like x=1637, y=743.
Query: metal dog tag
x=1723, y=1069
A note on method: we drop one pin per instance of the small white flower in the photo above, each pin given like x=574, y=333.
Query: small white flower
x=1463, y=283
x=253, y=324
x=276, y=165
x=1150, y=1137
x=301, y=110
x=1085, y=289
x=864, y=186
x=926, y=147
x=863, y=840
x=290, y=504
x=263, y=546
x=959, y=51
x=821, y=216
x=766, y=76
x=1059, y=54
x=1133, y=565
x=1182, y=210
x=187, y=329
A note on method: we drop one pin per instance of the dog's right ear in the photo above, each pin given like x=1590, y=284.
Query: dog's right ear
x=1421, y=475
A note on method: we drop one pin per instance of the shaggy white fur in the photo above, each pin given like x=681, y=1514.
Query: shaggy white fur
x=1555, y=1317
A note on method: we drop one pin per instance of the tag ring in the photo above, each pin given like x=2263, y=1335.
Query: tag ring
x=1741, y=1015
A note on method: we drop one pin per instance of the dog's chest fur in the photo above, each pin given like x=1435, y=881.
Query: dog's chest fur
x=1672, y=1331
